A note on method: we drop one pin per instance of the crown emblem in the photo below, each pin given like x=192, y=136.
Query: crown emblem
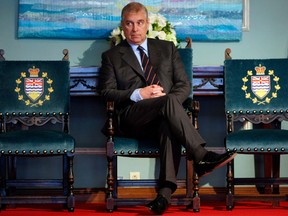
x=260, y=70
x=33, y=71
x=34, y=90
x=261, y=85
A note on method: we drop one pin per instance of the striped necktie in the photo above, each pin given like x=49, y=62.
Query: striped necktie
x=149, y=72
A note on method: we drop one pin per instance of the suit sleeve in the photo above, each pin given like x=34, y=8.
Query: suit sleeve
x=181, y=84
x=108, y=87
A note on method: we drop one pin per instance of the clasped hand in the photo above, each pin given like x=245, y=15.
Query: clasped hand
x=152, y=91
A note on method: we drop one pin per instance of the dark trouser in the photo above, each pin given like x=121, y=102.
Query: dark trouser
x=165, y=119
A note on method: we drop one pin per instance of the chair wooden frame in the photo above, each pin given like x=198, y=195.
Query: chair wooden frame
x=17, y=191
x=192, y=199
x=259, y=119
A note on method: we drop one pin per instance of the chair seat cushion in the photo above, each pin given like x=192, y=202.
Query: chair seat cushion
x=258, y=140
x=36, y=142
x=137, y=147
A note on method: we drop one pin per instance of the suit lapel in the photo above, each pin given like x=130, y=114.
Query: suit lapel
x=155, y=58
x=154, y=54
x=129, y=57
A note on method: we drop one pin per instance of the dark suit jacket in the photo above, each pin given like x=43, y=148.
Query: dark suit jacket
x=121, y=73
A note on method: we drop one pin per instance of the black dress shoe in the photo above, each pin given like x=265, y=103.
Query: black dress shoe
x=158, y=205
x=212, y=161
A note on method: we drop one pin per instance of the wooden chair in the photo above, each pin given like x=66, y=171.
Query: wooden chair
x=128, y=147
x=256, y=93
x=34, y=119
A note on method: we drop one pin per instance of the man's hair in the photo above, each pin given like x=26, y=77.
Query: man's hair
x=133, y=7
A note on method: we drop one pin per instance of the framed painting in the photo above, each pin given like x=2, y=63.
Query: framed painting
x=202, y=20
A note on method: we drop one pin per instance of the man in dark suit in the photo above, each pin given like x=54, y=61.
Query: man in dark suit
x=154, y=109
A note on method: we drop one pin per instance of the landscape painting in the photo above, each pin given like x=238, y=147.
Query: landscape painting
x=202, y=20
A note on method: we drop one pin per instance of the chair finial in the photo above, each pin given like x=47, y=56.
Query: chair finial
x=189, y=42
x=66, y=55
x=113, y=42
x=2, y=52
x=227, y=54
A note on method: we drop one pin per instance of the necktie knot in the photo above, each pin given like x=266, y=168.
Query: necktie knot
x=140, y=48
x=149, y=72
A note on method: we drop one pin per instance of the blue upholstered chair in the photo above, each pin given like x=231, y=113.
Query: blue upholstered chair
x=34, y=119
x=128, y=147
x=256, y=93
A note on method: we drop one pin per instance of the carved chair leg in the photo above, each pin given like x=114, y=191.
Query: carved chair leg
x=68, y=182
x=230, y=186
x=196, y=197
x=70, y=198
x=110, y=186
x=110, y=202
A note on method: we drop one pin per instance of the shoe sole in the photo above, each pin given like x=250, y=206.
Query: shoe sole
x=220, y=165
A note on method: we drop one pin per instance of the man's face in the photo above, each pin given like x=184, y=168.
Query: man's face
x=135, y=26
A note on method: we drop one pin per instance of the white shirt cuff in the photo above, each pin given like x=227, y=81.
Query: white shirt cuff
x=135, y=96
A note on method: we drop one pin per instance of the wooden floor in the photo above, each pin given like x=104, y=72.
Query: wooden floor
x=97, y=195
x=206, y=193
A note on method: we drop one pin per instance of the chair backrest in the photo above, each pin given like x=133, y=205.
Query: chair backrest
x=186, y=55
x=254, y=87
x=34, y=88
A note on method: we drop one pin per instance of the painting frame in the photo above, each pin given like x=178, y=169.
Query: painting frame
x=246, y=15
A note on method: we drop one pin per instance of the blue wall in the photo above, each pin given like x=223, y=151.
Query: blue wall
x=267, y=38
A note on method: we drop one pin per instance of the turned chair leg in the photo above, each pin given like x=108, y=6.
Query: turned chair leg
x=230, y=186
x=196, y=197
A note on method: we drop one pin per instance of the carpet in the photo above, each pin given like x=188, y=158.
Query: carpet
x=207, y=209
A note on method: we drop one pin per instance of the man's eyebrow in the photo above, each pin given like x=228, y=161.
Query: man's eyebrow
x=133, y=21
